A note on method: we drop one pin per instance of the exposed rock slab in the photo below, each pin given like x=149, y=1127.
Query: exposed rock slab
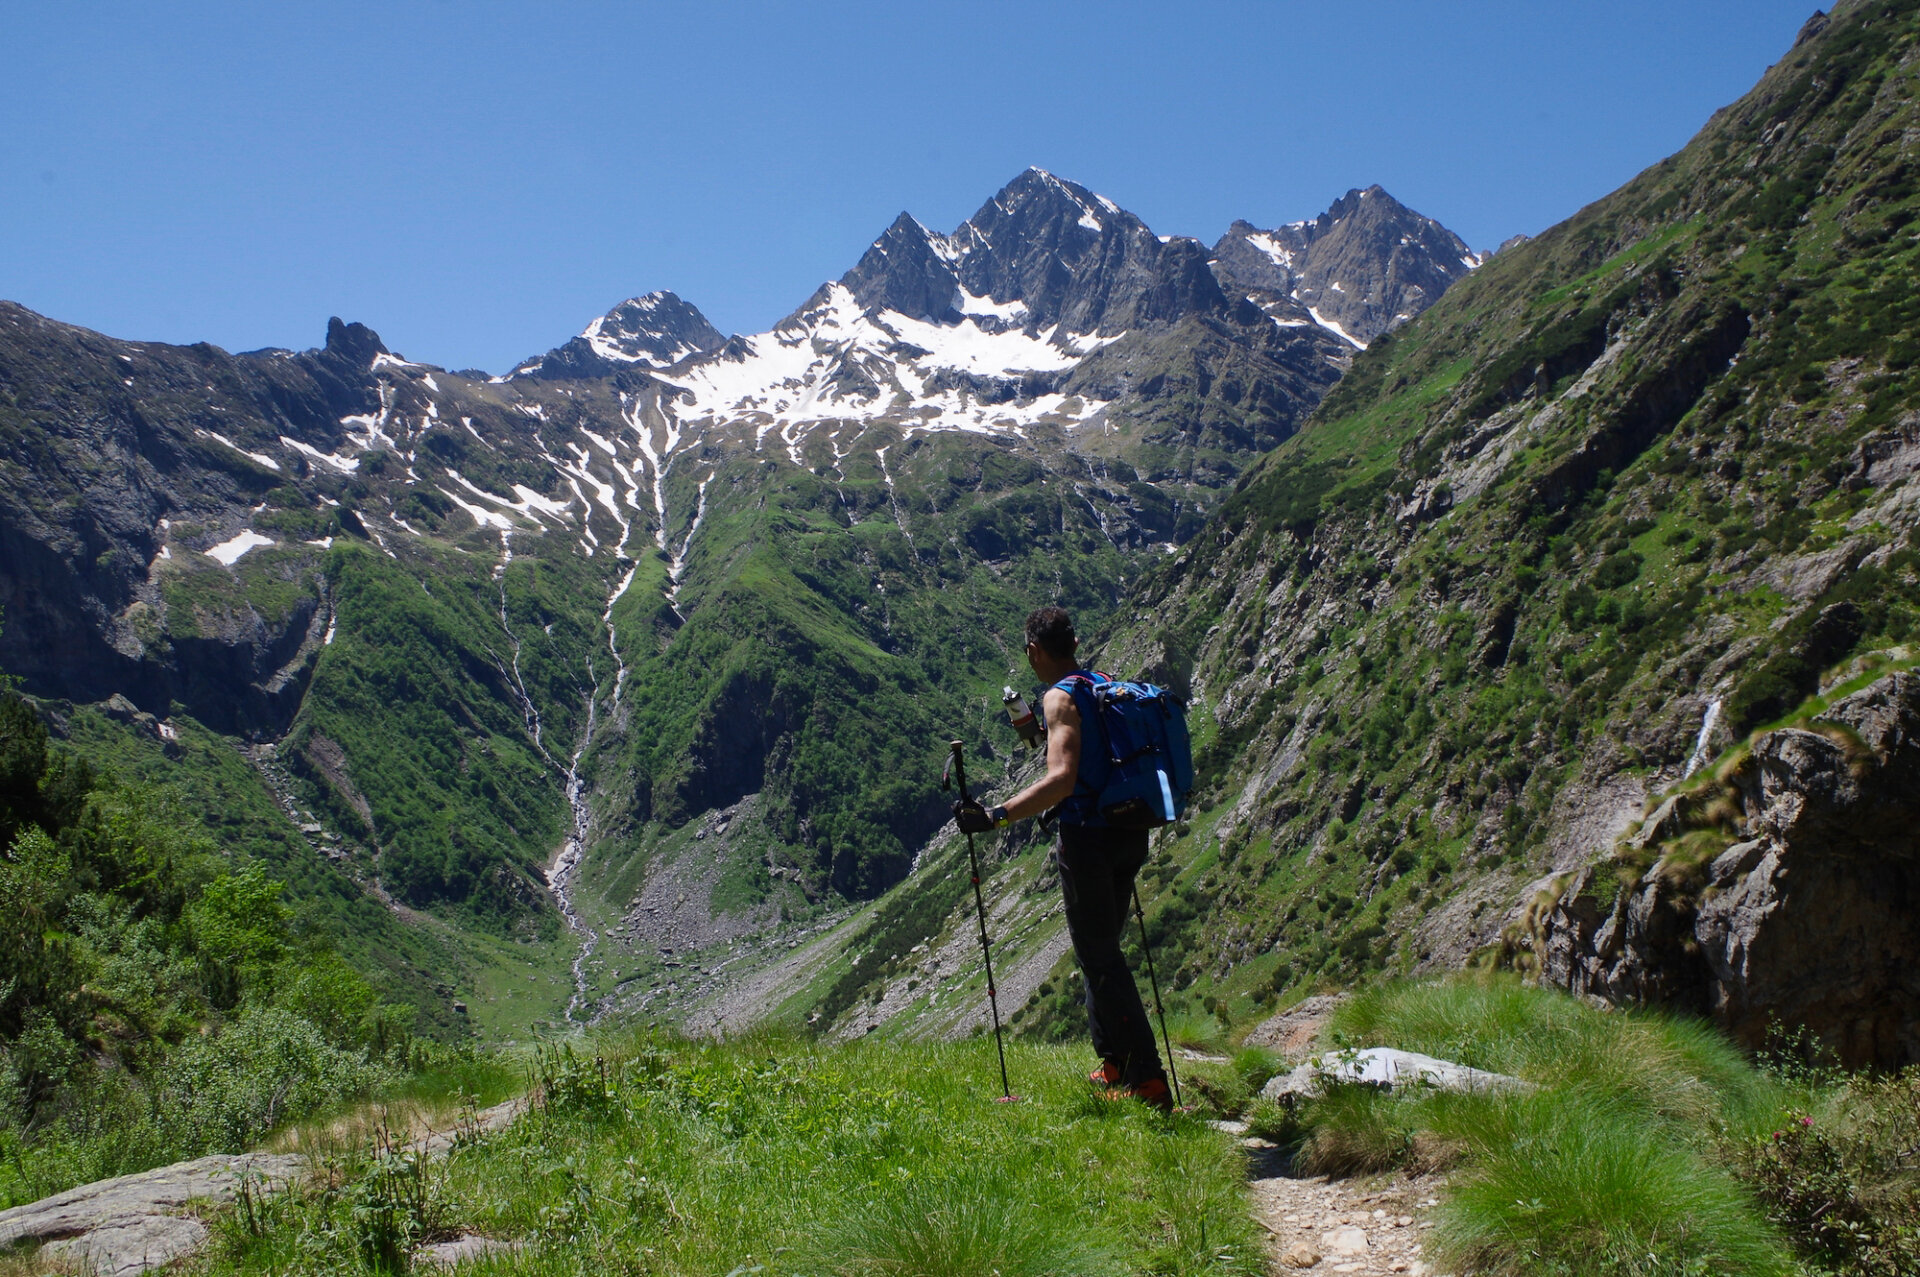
x=127, y=1225
x=462, y=1249
x=132, y=1223
x=130, y=1248
x=1386, y=1067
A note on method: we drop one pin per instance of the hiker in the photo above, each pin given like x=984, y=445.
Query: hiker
x=1097, y=868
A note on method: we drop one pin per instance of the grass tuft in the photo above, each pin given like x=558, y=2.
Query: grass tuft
x=958, y=1228
x=1619, y=1162
x=1576, y=1184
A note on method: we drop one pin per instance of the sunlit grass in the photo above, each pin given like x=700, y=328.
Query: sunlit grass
x=785, y=1157
x=1617, y=1160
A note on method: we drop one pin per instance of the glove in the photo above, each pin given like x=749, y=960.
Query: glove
x=975, y=819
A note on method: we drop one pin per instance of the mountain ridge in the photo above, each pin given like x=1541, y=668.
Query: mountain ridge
x=496, y=629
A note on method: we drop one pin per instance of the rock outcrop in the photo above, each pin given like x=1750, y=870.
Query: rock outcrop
x=1808, y=919
x=130, y=1224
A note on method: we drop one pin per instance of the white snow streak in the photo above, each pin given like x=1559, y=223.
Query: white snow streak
x=346, y=465
x=260, y=457
x=1335, y=329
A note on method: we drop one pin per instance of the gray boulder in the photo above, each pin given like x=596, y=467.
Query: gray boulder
x=1386, y=1067
x=129, y=1224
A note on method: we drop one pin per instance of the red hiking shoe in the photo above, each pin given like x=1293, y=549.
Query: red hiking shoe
x=1153, y=1093
x=1108, y=1074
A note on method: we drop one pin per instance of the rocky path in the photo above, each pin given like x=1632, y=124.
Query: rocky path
x=1375, y=1227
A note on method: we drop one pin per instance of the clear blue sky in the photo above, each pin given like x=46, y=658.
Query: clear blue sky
x=478, y=180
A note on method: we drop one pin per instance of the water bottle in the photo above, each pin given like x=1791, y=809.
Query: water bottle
x=1021, y=716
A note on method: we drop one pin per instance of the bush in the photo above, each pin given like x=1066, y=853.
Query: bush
x=223, y=1093
x=1844, y=1185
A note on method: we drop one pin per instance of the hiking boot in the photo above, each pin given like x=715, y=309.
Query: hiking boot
x=1153, y=1093
x=1107, y=1075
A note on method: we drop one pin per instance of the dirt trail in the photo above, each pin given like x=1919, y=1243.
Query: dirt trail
x=1373, y=1226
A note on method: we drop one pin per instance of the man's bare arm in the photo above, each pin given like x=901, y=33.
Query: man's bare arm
x=1063, y=758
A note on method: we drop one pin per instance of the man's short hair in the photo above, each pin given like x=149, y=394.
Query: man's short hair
x=1052, y=629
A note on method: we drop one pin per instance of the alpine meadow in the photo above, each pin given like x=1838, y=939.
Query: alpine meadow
x=495, y=820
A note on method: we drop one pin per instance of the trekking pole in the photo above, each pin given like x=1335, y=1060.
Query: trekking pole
x=1159, y=1010
x=958, y=765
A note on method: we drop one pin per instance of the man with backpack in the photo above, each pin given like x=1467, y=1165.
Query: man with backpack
x=1098, y=861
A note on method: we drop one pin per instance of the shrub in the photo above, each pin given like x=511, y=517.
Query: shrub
x=224, y=1092
x=396, y=1203
x=1844, y=1185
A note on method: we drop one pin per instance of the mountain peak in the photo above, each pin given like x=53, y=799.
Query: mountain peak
x=653, y=330
x=355, y=343
x=1037, y=187
x=907, y=269
x=1363, y=267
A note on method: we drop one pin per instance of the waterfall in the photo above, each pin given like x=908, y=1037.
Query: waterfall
x=1699, y=754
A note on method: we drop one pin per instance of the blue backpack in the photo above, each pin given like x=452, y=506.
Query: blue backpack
x=1136, y=765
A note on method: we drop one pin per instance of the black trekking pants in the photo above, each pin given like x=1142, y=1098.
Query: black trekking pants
x=1097, y=869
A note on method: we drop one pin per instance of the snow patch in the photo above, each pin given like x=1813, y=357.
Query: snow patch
x=531, y=503
x=346, y=465
x=229, y=552
x=1280, y=254
x=1335, y=329
x=481, y=516
x=259, y=457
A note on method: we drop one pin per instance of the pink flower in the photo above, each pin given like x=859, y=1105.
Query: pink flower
x=1806, y=1121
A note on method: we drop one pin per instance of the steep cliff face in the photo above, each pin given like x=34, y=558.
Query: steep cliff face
x=1623, y=495
x=1807, y=917
x=117, y=457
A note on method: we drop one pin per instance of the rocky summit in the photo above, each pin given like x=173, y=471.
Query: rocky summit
x=1362, y=268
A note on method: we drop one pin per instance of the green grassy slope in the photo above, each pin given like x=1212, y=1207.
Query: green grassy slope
x=1453, y=630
